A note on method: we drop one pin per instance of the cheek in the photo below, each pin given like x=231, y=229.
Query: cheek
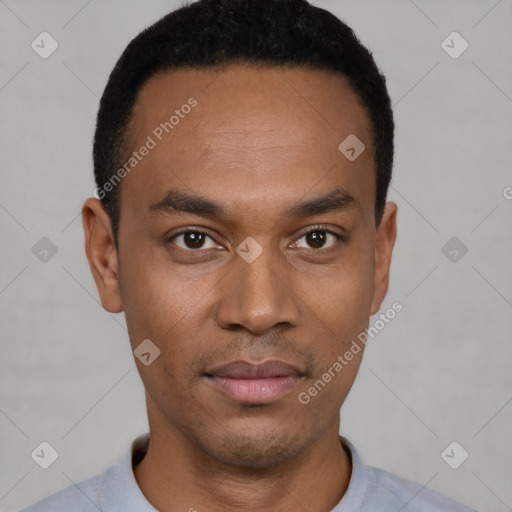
x=160, y=307
x=171, y=308
x=341, y=294
x=154, y=294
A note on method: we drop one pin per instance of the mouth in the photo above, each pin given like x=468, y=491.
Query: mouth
x=250, y=383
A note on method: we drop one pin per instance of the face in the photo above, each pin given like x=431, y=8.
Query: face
x=245, y=235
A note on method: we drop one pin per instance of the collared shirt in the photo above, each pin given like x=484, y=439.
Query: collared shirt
x=370, y=490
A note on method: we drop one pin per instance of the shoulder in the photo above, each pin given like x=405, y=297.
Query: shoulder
x=372, y=489
x=80, y=497
x=387, y=489
x=114, y=489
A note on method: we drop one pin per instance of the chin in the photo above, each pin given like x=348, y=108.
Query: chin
x=254, y=448
x=247, y=453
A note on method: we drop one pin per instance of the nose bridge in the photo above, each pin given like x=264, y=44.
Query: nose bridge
x=258, y=296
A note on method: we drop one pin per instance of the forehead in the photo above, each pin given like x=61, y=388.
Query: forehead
x=249, y=129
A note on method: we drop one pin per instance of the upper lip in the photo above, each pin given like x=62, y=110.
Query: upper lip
x=248, y=370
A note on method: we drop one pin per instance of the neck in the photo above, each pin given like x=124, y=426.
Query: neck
x=174, y=476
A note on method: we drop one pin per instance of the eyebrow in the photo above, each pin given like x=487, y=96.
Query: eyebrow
x=176, y=201
x=336, y=200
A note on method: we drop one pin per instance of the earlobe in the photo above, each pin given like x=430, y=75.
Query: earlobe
x=385, y=241
x=101, y=253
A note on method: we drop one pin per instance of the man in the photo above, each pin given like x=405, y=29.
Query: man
x=242, y=155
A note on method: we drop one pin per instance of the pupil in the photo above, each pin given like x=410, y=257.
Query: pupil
x=194, y=240
x=316, y=238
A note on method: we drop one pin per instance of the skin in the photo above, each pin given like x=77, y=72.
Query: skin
x=258, y=142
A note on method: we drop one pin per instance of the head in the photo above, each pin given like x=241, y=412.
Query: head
x=231, y=224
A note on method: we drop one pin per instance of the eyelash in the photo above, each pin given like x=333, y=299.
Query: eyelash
x=339, y=238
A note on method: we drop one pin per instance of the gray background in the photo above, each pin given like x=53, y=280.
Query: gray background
x=439, y=372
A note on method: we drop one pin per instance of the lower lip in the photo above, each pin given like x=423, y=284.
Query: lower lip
x=256, y=391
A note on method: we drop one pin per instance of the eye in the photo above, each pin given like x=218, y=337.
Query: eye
x=318, y=238
x=192, y=239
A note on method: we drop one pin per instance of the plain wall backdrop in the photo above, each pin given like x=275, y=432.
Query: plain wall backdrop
x=438, y=373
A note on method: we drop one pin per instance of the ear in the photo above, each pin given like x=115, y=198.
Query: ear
x=101, y=253
x=385, y=241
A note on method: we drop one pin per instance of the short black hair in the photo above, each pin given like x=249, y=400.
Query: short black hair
x=216, y=33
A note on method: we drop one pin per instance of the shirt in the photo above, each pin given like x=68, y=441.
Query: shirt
x=370, y=490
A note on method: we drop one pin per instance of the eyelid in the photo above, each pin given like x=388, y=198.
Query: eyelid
x=321, y=227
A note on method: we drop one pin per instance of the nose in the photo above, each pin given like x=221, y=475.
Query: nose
x=258, y=296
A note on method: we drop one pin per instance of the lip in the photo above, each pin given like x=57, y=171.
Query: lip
x=252, y=383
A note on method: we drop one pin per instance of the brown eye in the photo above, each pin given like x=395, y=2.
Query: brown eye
x=318, y=238
x=192, y=240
